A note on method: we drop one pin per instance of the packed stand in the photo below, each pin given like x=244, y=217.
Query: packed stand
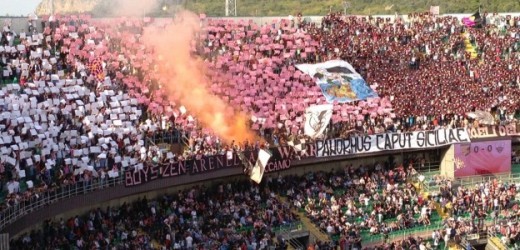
x=235, y=215
x=489, y=206
x=355, y=203
x=64, y=123
x=241, y=54
x=421, y=63
x=238, y=52
x=86, y=101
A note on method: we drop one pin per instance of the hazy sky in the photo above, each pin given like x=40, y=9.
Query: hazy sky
x=18, y=7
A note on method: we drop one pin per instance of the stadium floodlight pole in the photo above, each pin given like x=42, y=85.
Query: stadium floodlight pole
x=52, y=7
x=227, y=7
x=231, y=7
x=346, y=5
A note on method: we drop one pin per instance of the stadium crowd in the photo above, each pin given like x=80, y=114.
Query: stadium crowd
x=235, y=215
x=349, y=205
x=353, y=204
x=84, y=103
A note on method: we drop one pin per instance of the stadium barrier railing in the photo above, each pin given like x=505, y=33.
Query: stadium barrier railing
x=18, y=210
x=287, y=228
x=474, y=180
x=496, y=243
x=431, y=186
x=428, y=167
x=12, y=213
x=402, y=234
x=172, y=136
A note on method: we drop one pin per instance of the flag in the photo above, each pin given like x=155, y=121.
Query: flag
x=248, y=166
x=483, y=117
x=434, y=10
x=469, y=46
x=338, y=81
x=297, y=144
x=258, y=170
x=96, y=69
x=317, y=118
x=229, y=155
x=474, y=20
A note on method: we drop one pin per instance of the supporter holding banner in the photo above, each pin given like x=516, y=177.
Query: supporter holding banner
x=317, y=118
x=338, y=81
x=390, y=141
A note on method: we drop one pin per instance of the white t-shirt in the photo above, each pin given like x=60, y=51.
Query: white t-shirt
x=189, y=242
x=423, y=211
x=13, y=187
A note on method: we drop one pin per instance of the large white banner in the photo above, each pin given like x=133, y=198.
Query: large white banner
x=317, y=118
x=390, y=141
x=258, y=171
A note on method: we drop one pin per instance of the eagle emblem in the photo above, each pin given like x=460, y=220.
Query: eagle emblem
x=459, y=164
x=318, y=119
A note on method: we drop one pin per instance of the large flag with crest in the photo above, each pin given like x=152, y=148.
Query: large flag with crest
x=338, y=81
x=317, y=119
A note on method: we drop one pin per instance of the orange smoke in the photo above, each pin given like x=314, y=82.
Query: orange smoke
x=183, y=78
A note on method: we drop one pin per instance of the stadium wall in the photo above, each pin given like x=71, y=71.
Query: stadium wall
x=447, y=162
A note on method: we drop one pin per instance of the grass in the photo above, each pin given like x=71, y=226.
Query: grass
x=359, y=7
x=306, y=7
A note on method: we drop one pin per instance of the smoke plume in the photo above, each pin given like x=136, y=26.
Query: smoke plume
x=182, y=76
x=134, y=7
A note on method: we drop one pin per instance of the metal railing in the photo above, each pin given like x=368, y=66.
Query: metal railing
x=172, y=136
x=291, y=227
x=22, y=208
x=429, y=171
x=464, y=244
x=495, y=241
x=403, y=234
x=428, y=167
x=296, y=244
x=4, y=241
x=474, y=180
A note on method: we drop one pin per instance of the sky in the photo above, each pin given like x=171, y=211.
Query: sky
x=18, y=7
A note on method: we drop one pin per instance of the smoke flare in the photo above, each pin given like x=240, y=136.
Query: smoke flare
x=182, y=76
